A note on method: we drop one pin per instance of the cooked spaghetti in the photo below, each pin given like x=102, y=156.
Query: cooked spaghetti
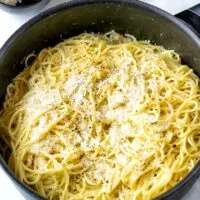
x=102, y=117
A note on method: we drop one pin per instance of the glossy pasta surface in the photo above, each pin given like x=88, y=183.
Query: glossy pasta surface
x=102, y=117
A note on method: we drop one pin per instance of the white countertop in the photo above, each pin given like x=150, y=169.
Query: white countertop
x=11, y=21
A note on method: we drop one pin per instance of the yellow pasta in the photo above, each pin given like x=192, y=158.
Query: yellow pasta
x=102, y=117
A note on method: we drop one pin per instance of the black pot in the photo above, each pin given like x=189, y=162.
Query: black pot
x=143, y=21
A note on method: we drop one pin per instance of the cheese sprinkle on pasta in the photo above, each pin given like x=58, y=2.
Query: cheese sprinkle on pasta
x=102, y=117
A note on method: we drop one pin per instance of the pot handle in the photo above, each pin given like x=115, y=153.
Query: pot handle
x=192, y=18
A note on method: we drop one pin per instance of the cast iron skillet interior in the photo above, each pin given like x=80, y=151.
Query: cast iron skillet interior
x=20, y=3
x=143, y=21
